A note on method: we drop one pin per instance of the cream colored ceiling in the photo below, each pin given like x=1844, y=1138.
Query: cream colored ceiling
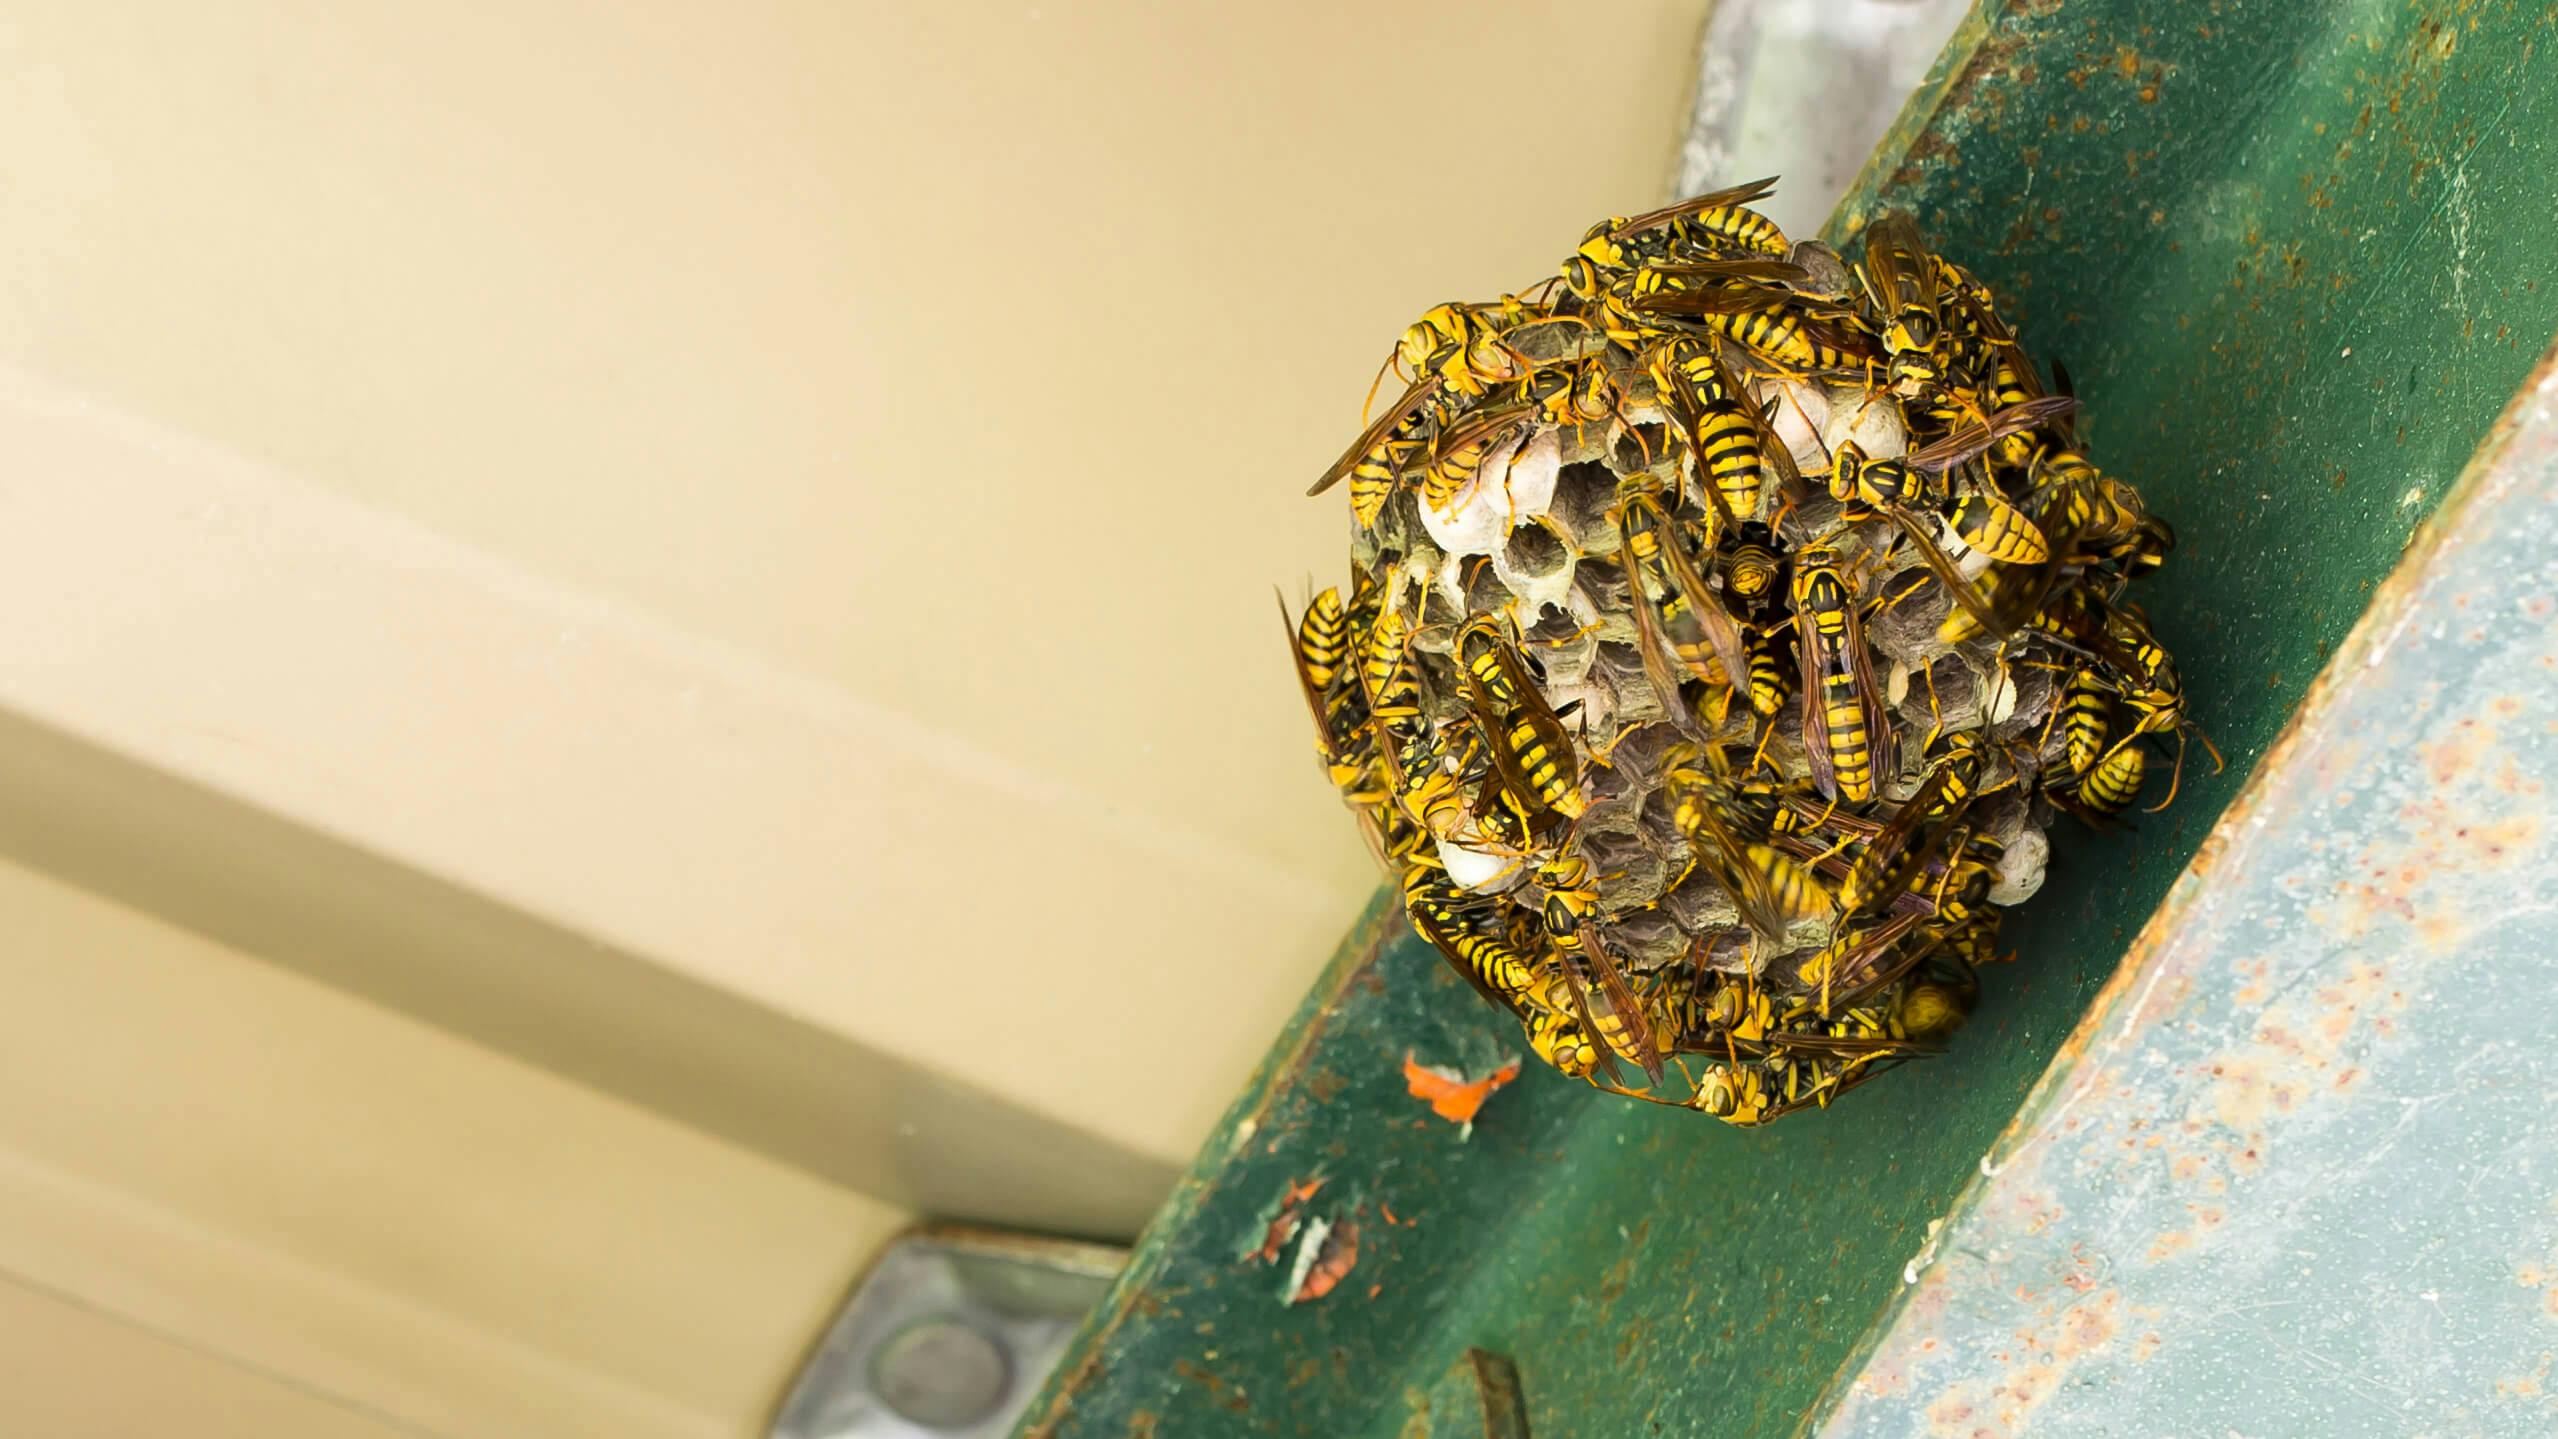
x=967, y=359
x=226, y=1187
x=971, y=355
x=773, y=497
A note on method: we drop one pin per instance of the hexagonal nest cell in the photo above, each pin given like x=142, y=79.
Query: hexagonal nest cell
x=1727, y=626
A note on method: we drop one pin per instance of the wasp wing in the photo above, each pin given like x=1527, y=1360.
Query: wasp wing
x=1722, y=199
x=1431, y=926
x=1822, y=1097
x=1962, y=591
x=1898, y=270
x=1753, y=895
x=1653, y=647
x=1739, y=298
x=1969, y=440
x=1722, y=632
x=1843, y=1046
x=1883, y=860
x=1763, y=272
x=1628, y=1012
x=1297, y=662
x=1812, y=658
x=1413, y=402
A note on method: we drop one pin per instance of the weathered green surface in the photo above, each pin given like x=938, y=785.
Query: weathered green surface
x=2293, y=1175
x=2202, y=209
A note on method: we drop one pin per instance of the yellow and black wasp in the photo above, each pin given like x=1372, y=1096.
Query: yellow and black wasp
x=1767, y=669
x=2146, y=678
x=1529, y=748
x=2107, y=789
x=1678, y=617
x=1344, y=741
x=1718, y=220
x=1458, y=453
x=1846, y=726
x=1753, y=571
x=1730, y=449
x=1788, y=334
x=1908, y=492
x=1570, y=915
x=1389, y=448
x=1902, y=277
x=1511, y=977
x=1769, y=888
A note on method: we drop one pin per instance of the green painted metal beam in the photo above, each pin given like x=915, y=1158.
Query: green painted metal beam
x=2292, y=1174
x=2297, y=257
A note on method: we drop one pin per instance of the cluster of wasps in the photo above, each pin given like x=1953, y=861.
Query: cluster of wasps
x=1726, y=625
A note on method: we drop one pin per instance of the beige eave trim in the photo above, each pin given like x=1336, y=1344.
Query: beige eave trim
x=533, y=815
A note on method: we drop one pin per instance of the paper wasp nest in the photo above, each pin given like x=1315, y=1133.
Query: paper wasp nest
x=1726, y=628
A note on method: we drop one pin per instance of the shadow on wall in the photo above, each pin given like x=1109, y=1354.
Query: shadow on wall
x=557, y=1000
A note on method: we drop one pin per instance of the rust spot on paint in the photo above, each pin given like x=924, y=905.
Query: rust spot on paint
x=1225, y=1395
x=1354, y=968
x=2501, y=842
x=2526, y=1386
x=2030, y=1372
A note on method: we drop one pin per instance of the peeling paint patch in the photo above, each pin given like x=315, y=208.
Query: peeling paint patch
x=2308, y=1115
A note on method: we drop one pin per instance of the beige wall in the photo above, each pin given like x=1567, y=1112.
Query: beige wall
x=205, y=1157
x=776, y=501
x=67, y=1369
x=972, y=356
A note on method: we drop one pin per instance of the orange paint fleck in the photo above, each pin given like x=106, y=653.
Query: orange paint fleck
x=1451, y=1095
x=1275, y=1240
x=1284, y=1224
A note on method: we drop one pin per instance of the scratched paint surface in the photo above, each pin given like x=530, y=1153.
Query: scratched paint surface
x=2200, y=206
x=2302, y=1177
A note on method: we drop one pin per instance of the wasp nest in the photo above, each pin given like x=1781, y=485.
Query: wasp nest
x=1726, y=626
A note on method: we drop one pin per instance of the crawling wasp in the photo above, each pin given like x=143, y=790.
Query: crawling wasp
x=1846, y=727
